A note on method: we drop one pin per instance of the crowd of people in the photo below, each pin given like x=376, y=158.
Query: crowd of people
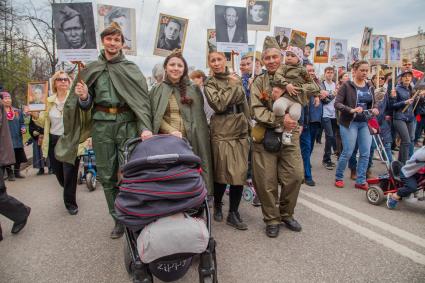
x=258, y=128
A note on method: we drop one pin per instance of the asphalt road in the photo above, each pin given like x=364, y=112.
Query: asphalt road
x=344, y=239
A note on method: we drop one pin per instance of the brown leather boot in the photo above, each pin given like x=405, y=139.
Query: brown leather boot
x=353, y=174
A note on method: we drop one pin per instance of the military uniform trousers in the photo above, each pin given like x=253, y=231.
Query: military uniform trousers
x=272, y=168
x=109, y=138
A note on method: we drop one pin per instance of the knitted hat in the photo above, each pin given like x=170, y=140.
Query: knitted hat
x=296, y=50
x=270, y=42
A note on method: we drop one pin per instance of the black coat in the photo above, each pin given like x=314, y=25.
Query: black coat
x=239, y=37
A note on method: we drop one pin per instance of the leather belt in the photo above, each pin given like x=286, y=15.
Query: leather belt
x=112, y=110
x=232, y=109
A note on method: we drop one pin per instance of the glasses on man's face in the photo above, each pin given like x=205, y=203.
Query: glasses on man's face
x=381, y=78
x=62, y=79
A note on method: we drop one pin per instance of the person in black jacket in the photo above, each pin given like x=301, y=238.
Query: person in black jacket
x=404, y=120
x=36, y=133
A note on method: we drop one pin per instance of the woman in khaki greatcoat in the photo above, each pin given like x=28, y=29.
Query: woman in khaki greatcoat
x=229, y=130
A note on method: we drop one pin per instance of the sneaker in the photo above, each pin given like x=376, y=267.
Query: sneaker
x=391, y=203
x=339, y=183
x=363, y=186
x=329, y=165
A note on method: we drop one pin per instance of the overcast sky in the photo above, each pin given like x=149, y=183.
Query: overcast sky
x=334, y=18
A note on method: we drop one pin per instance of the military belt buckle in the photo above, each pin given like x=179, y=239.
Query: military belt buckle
x=113, y=110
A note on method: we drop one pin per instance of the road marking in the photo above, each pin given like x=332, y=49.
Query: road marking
x=398, y=248
x=366, y=218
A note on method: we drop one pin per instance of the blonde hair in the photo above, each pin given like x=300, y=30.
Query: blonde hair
x=55, y=76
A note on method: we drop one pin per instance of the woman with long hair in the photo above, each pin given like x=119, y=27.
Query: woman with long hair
x=229, y=128
x=177, y=109
x=352, y=99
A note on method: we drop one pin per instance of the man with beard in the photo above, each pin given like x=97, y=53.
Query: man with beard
x=113, y=94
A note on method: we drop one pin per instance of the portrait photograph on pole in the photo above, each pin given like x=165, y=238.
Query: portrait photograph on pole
x=75, y=31
x=231, y=29
x=259, y=14
x=378, y=49
x=282, y=36
x=321, y=55
x=339, y=52
x=364, y=47
x=170, y=35
x=125, y=18
x=354, y=54
x=37, y=93
x=298, y=38
x=394, y=57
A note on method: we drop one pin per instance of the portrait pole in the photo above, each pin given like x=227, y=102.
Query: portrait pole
x=378, y=68
x=253, y=59
x=393, y=78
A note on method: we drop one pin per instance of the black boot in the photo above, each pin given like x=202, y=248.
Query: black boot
x=218, y=212
x=10, y=174
x=118, y=231
x=18, y=172
x=1, y=234
x=40, y=172
x=235, y=221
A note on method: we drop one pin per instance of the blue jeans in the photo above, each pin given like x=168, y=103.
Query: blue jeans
x=314, y=131
x=357, y=132
x=305, y=144
x=352, y=163
x=410, y=185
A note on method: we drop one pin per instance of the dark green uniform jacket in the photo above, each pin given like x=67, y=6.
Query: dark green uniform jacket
x=131, y=87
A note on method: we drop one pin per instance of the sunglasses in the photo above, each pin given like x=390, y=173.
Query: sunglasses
x=381, y=78
x=62, y=79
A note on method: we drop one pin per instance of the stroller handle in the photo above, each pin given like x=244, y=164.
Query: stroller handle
x=127, y=145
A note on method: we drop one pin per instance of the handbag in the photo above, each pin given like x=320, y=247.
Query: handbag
x=272, y=140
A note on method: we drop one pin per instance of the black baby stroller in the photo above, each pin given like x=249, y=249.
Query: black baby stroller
x=161, y=177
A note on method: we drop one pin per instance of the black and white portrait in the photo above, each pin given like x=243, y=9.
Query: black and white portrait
x=231, y=28
x=354, y=54
x=339, y=52
x=259, y=14
x=75, y=31
x=125, y=18
x=282, y=36
x=74, y=26
x=171, y=33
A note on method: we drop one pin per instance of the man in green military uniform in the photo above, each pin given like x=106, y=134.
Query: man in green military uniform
x=113, y=92
x=272, y=168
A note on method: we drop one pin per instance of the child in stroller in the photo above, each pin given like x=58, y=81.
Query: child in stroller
x=412, y=176
x=161, y=179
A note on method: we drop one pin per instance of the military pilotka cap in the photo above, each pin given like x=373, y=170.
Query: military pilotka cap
x=270, y=42
x=67, y=13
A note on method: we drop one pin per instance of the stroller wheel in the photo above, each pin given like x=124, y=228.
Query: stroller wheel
x=80, y=178
x=91, y=181
x=128, y=262
x=247, y=193
x=375, y=195
x=208, y=264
